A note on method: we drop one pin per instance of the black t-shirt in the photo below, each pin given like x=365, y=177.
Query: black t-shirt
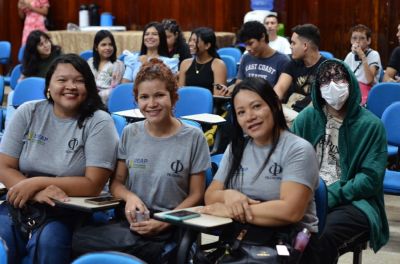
x=394, y=61
x=303, y=76
x=200, y=75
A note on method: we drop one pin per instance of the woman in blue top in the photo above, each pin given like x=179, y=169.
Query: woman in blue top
x=154, y=45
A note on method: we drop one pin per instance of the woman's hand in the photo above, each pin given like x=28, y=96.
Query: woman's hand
x=239, y=205
x=217, y=209
x=21, y=192
x=149, y=228
x=49, y=194
x=133, y=203
x=221, y=90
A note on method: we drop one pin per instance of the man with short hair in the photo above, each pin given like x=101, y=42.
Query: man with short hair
x=393, y=68
x=294, y=84
x=261, y=60
x=351, y=146
x=362, y=60
x=276, y=42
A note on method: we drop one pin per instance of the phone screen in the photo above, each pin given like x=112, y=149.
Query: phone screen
x=102, y=200
x=182, y=215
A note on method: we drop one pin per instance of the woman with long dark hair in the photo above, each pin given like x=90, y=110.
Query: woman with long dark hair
x=50, y=151
x=105, y=66
x=268, y=175
x=154, y=45
x=206, y=68
x=39, y=53
x=177, y=46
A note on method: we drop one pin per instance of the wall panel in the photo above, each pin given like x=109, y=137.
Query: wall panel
x=334, y=17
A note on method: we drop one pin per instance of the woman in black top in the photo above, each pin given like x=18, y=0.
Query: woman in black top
x=205, y=68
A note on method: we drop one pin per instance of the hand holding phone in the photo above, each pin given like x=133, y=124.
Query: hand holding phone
x=142, y=216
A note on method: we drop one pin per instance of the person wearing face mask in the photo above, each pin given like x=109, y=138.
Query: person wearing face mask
x=351, y=148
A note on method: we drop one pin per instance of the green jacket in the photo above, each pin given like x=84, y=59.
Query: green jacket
x=363, y=157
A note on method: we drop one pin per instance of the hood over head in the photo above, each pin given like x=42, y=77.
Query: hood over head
x=340, y=68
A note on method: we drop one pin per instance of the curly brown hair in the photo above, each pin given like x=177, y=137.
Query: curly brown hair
x=155, y=69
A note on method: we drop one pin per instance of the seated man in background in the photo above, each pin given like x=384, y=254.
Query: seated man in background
x=364, y=62
x=294, y=84
x=393, y=67
x=352, y=151
x=276, y=42
x=261, y=60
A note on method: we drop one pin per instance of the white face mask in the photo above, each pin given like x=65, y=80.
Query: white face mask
x=335, y=94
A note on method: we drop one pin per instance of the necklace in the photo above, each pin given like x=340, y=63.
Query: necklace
x=198, y=69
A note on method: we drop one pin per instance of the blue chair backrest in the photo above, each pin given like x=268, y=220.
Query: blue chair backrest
x=230, y=66
x=3, y=251
x=321, y=203
x=326, y=54
x=1, y=89
x=191, y=123
x=5, y=52
x=87, y=54
x=21, y=53
x=107, y=257
x=193, y=100
x=15, y=74
x=119, y=122
x=381, y=96
x=28, y=89
x=391, y=121
x=230, y=51
x=121, y=98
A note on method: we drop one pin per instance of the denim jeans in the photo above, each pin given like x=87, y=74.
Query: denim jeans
x=52, y=246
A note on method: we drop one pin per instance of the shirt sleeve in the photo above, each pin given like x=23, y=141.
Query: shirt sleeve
x=301, y=165
x=394, y=61
x=223, y=168
x=200, y=153
x=13, y=139
x=101, y=142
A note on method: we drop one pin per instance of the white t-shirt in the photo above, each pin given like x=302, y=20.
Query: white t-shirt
x=328, y=150
x=281, y=44
x=373, y=58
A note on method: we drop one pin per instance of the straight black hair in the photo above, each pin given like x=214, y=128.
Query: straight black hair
x=100, y=35
x=207, y=35
x=163, y=46
x=31, y=56
x=238, y=143
x=93, y=101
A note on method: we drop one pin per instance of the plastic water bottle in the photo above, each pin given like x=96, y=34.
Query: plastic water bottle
x=302, y=239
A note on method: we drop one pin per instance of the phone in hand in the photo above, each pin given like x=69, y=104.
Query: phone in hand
x=103, y=200
x=181, y=215
x=218, y=86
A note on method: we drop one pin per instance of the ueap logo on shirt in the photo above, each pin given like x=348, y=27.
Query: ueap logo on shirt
x=72, y=145
x=275, y=170
x=138, y=163
x=36, y=138
x=176, y=167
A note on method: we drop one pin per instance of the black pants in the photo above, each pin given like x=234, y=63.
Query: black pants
x=345, y=226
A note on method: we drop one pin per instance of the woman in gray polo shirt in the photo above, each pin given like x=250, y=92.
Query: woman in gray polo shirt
x=161, y=161
x=51, y=150
x=268, y=175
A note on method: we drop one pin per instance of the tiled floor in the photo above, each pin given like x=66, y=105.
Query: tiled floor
x=389, y=254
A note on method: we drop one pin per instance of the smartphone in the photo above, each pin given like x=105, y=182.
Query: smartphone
x=102, y=200
x=140, y=217
x=356, y=57
x=181, y=215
